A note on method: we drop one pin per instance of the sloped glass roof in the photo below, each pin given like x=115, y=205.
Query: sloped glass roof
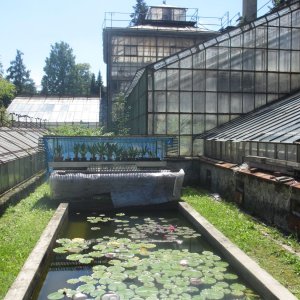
x=277, y=123
x=57, y=110
x=18, y=142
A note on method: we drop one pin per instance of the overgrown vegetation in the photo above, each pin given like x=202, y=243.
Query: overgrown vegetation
x=253, y=237
x=78, y=130
x=21, y=226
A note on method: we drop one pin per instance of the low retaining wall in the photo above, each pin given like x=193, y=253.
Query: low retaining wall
x=259, y=193
x=29, y=276
x=258, y=278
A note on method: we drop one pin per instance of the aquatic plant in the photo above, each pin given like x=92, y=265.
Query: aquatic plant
x=134, y=268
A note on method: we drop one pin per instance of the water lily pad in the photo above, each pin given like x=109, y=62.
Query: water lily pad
x=63, y=241
x=146, y=291
x=117, y=286
x=86, y=260
x=230, y=276
x=212, y=294
x=75, y=257
x=97, y=293
x=56, y=295
x=237, y=287
x=60, y=250
x=86, y=288
x=73, y=280
x=95, y=228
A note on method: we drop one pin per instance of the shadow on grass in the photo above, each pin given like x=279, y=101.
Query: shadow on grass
x=46, y=203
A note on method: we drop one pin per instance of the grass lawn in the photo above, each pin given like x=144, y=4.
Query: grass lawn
x=253, y=237
x=20, y=228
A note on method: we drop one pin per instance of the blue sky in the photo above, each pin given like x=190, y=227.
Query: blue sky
x=33, y=25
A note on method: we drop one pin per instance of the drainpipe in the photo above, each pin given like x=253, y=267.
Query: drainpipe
x=249, y=10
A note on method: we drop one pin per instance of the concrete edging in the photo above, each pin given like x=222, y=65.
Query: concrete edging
x=24, y=285
x=257, y=277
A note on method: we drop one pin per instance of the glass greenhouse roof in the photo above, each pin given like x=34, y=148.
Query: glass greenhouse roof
x=276, y=123
x=58, y=110
x=18, y=142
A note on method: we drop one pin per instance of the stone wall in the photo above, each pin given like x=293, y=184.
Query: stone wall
x=258, y=193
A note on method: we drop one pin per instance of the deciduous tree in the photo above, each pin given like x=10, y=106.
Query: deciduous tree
x=82, y=80
x=59, y=71
x=7, y=92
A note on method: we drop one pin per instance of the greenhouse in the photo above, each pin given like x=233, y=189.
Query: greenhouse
x=272, y=132
x=219, y=80
x=55, y=111
x=21, y=156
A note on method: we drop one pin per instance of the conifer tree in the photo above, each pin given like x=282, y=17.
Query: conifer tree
x=139, y=13
x=19, y=76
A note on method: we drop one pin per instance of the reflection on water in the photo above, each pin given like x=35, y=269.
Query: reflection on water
x=138, y=255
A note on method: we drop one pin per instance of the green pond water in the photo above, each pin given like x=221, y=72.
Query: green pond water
x=137, y=255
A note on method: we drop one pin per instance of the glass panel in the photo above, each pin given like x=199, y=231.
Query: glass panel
x=284, y=83
x=198, y=147
x=172, y=124
x=236, y=59
x=199, y=60
x=198, y=102
x=222, y=119
x=223, y=58
x=236, y=103
x=270, y=150
x=173, y=79
x=260, y=100
x=236, y=81
x=285, y=38
x=211, y=80
x=210, y=122
x=173, y=102
x=253, y=146
x=185, y=145
x=198, y=124
x=262, y=149
x=248, y=82
x=211, y=102
x=284, y=62
x=185, y=102
x=159, y=101
x=292, y=152
x=186, y=80
x=160, y=80
x=273, y=37
x=185, y=124
x=295, y=64
x=260, y=82
x=223, y=82
x=223, y=103
x=248, y=59
x=186, y=62
x=212, y=58
x=296, y=39
x=248, y=102
x=159, y=124
x=272, y=83
x=198, y=80
x=272, y=60
x=280, y=151
x=260, y=59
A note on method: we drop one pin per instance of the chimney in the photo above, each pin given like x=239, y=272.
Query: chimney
x=249, y=10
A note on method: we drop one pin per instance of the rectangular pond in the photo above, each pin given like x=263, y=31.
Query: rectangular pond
x=137, y=255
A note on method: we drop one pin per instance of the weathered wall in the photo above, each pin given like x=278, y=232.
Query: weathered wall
x=190, y=167
x=258, y=193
